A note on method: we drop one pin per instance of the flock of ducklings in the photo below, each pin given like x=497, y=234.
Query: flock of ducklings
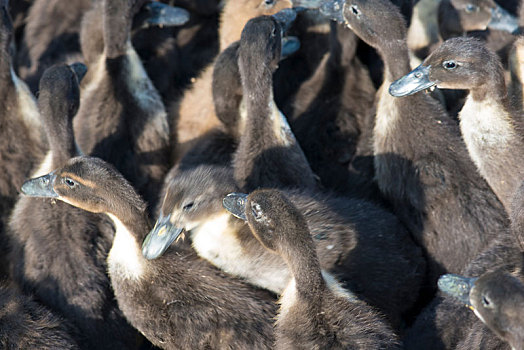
x=311, y=188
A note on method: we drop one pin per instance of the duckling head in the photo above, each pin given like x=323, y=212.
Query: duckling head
x=273, y=219
x=496, y=297
x=191, y=198
x=88, y=183
x=366, y=19
x=459, y=63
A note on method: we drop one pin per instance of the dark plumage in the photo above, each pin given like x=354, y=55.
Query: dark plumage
x=492, y=130
x=122, y=118
x=331, y=110
x=49, y=41
x=315, y=312
x=58, y=252
x=178, y=300
x=268, y=153
x=24, y=324
x=21, y=139
x=421, y=164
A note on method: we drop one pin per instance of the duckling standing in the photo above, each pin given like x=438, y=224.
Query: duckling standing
x=421, y=163
x=122, y=118
x=315, y=312
x=492, y=130
x=58, y=252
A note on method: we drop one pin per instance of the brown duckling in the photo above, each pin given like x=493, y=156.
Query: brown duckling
x=421, y=163
x=176, y=301
x=497, y=299
x=315, y=312
x=492, y=130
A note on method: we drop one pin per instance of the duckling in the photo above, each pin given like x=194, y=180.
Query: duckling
x=421, y=163
x=492, y=130
x=25, y=324
x=191, y=200
x=122, y=118
x=497, y=299
x=267, y=142
x=176, y=301
x=21, y=140
x=47, y=41
x=195, y=115
x=315, y=312
x=58, y=252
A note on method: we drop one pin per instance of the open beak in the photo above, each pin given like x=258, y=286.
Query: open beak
x=503, y=20
x=155, y=13
x=333, y=9
x=160, y=238
x=411, y=83
x=40, y=187
x=458, y=287
x=235, y=203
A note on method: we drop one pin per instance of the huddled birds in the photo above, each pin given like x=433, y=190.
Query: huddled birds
x=261, y=174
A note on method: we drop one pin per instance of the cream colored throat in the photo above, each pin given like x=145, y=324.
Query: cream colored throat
x=125, y=258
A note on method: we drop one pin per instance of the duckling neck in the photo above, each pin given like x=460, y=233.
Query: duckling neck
x=117, y=26
x=125, y=260
x=62, y=146
x=5, y=43
x=396, y=59
x=304, y=265
x=494, y=142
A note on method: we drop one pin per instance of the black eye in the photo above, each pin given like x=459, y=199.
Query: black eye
x=354, y=10
x=486, y=302
x=269, y=2
x=188, y=206
x=449, y=64
x=471, y=8
x=69, y=182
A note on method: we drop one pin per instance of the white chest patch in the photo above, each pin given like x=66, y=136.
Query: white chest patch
x=485, y=126
x=28, y=108
x=125, y=257
x=99, y=69
x=386, y=116
x=215, y=241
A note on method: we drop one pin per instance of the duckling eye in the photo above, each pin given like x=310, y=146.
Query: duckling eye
x=69, y=182
x=471, y=8
x=269, y=3
x=355, y=10
x=188, y=206
x=449, y=64
x=486, y=302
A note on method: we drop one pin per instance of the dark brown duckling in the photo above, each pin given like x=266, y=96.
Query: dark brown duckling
x=315, y=312
x=122, y=118
x=58, y=252
x=492, y=130
x=421, y=163
x=497, y=299
x=176, y=301
x=25, y=324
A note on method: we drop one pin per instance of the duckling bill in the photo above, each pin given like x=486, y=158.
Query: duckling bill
x=458, y=287
x=413, y=82
x=160, y=238
x=158, y=14
x=40, y=187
